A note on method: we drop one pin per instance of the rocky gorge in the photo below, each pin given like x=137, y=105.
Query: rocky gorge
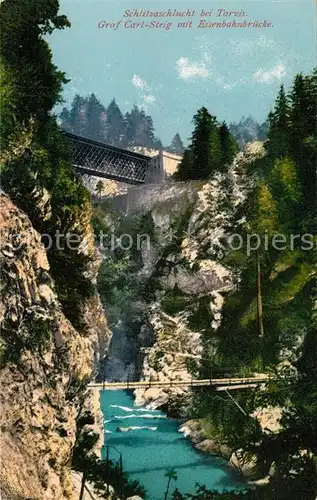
x=179, y=279
x=179, y=270
x=174, y=287
x=164, y=302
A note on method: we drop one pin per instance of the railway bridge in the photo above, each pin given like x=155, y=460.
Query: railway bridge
x=102, y=160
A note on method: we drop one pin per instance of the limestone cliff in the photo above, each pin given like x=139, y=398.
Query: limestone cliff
x=173, y=279
x=184, y=266
x=45, y=365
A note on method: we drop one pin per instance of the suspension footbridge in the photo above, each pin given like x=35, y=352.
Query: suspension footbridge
x=219, y=384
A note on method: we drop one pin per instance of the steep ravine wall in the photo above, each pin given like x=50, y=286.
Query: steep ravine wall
x=133, y=335
x=182, y=266
x=45, y=364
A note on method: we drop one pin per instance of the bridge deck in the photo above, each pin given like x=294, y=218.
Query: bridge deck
x=218, y=384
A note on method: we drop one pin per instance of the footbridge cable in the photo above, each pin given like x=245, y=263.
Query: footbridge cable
x=236, y=403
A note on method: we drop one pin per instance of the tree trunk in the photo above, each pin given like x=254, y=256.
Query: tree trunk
x=82, y=489
x=259, y=298
x=168, y=487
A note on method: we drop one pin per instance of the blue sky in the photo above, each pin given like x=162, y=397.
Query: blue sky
x=231, y=71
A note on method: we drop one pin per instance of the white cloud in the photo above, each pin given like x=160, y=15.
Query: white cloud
x=220, y=81
x=139, y=82
x=276, y=73
x=145, y=93
x=187, y=70
x=228, y=86
x=149, y=99
x=249, y=47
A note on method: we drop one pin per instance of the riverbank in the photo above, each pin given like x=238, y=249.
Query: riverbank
x=249, y=467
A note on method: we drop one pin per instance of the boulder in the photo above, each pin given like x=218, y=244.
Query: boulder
x=248, y=465
x=208, y=446
x=152, y=398
x=225, y=451
x=193, y=430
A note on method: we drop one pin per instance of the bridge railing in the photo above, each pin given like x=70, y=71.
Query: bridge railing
x=146, y=384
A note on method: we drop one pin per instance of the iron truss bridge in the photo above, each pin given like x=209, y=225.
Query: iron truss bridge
x=101, y=160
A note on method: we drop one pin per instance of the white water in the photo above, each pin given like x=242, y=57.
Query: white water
x=148, y=451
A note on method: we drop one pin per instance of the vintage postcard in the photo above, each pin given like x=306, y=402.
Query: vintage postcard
x=158, y=249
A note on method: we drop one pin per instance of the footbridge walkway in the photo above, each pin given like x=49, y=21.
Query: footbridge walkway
x=219, y=384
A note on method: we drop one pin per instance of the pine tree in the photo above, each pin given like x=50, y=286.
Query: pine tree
x=115, y=127
x=94, y=126
x=132, y=125
x=177, y=145
x=170, y=474
x=206, y=146
x=286, y=190
x=185, y=170
x=204, y=124
x=78, y=116
x=279, y=137
x=303, y=134
x=265, y=222
x=215, y=149
x=87, y=117
x=7, y=104
x=26, y=54
x=158, y=143
x=311, y=102
x=293, y=134
x=204, y=155
x=140, y=129
x=65, y=120
x=229, y=146
x=262, y=131
x=308, y=175
x=297, y=112
x=149, y=136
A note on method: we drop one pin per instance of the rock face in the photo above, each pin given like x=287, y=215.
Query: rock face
x=182, y=266
x=45, y=363
x=193, y=276
x=95, y=318
x=166, y=360
x=164, y=203
x=247, y=466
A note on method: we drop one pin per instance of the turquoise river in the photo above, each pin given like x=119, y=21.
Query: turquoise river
x=153, y=445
